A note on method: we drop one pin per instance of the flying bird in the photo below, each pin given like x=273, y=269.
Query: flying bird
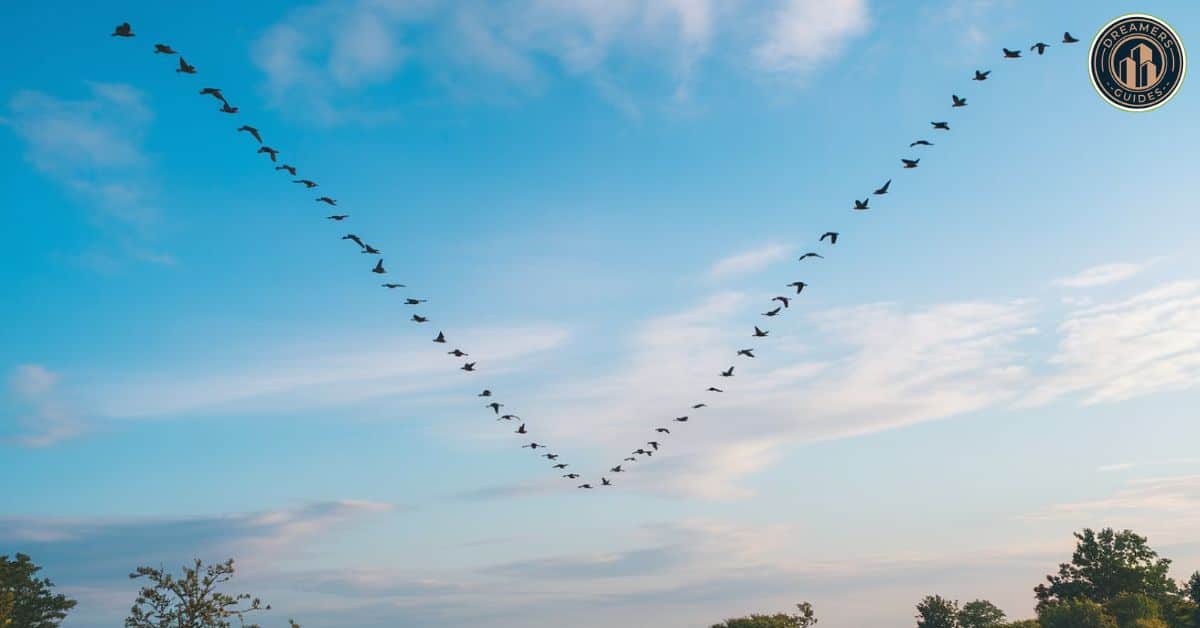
x=727, y=372
x=271, y=152
x=469, y=366
x=584, y=486
x=1067, y=39
x=123, y=30
x=617, y=469
x=653, y=443
x=832, y=235
x=910, y=163
x=605, y=482
x=163, y=49
x=642, y=452
x=324, y=199
x=786, y=301
x=417, y=318
x=308, y=184
x=441, y=338
x=758, y=333
x=379, y=270
x=920, y=143
x=508, y=417
x=185, y=67
x=746, y=352
x=571, y=475
x=629, y=459
x=662, y=430
x=353, y=238
x=291, y=169
x=559, y=466
x=338, y=217
x=522, y=430
x=941, y=126
x=215, y=93
x=1011, y=54
x=699, y=405
x=495, y=406
x=370, y=250
x=1040, y=47
x=981, y=76
x=226, y=108
x=883, y=189
x=774, y=312
x=393, y=286
x=534, y=446
x=458, y=353
x=411, y=301
x=679, y=419
x=252, y=131
x=808, y=255
x=486, y=392
x=798, y=285
x=958, y=101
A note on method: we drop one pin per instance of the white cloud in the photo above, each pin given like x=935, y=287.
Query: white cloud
x=45, y=418
x=750, y=261
x=805, y=33
x=1165, y=507
x=1102, y=275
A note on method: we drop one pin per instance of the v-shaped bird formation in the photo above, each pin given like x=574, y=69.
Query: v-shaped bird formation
x=779, y=304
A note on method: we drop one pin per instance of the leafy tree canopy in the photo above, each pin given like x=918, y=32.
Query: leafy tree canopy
x=1075, y=613
x=803, y=618
x=1106, y=564
x=192, y=600
x=935, y=611
x=980, y=614
x=27, y=601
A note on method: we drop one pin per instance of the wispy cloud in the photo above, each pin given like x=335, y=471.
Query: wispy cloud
x=804, y=33
x=749, y=261
x=45, y=416
x=1102, y=275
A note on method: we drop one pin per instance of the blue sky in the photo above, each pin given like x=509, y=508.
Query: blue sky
x=598, y=199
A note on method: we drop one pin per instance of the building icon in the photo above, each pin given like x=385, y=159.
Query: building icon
x=1138, y=70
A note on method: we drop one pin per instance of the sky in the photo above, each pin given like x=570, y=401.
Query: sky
x=598, y=200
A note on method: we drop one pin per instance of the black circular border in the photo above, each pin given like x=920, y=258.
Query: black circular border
x=1101, y=90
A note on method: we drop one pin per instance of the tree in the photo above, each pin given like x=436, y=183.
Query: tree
x=31, y=602
x=1129, y=609
x=1106, y=564
x=936, y=611
x=1192, y=588
x=191, y=601
x=804, y=618
x=7, y=600
x=1022, y=623
x=1074, y=613
x=980, y=614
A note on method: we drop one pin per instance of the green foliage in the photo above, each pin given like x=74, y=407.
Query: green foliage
x=1106, y=564
x=1022, y=623
x=980, y=614
x=936, y=611
x=30, y=602
x=1131, y=608
x=1075, y=613
x=803, y=618
x=191, y=601
x=1192, y=588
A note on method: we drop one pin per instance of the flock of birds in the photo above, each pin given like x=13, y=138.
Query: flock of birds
x=778, y=305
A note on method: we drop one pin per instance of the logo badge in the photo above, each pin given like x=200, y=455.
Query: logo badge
x=1137, y=62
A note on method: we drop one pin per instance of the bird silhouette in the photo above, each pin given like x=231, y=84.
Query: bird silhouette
x=123, y=30
x=271, y=152
x=308, y=184
x=411, y=301
x=883, y=189
x=832, y=235
x=727, y=372
x=226, y=108
x=1040, y=47
x=163, y=49
x=534, y=446
x=642, y=452
x=584, y=485
x=571, y=476
x=941, y=126
x=798, y=285
x=185, y=67
x=252, y=131
x=711, y=389
x=495, y=406
x=653, y=443
x=629, y=459
x=774, y=312
x=325, y=199
x=458, y=353
x=469, y=366
x=616, y=469
x=662, y=430
x=680, y=419
x=508, y=417
x=560, y=466
x=215, y=93
x=1067, y=39
x=808, y=255
x=697, y=406
x=338, y=217
x=1011, y=54
x=958, y=101
x=605, y=482
x=746, y=352
x=861, y=205
x=522, y=430
x=379, y=270
x=786, y=301
x=920, y=143
x=910, y=163
x=393, y=286
x=355, y=239
x=290, y=169
x=981, y=76
x=758, y=333
x=370, y=250
x=485, y=393
x=417, y=318
x=441, y=339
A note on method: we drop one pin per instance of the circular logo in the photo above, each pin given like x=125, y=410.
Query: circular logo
x=1137, y=62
